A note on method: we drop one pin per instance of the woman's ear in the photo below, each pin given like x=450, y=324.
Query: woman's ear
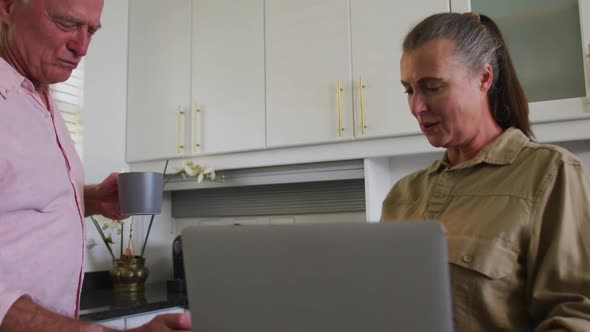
x=486, y=77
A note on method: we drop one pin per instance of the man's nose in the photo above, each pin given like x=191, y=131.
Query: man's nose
x=79, y=44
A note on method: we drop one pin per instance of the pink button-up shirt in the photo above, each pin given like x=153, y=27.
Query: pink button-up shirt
x=41, y=201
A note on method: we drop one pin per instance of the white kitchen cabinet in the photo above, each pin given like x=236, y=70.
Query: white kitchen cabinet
x=159, y=78
x=549, y=45
x=132, y=322
x=377, y=32
x=228, y=76
x=310, y=46
x=118, y=323
x=307, y=54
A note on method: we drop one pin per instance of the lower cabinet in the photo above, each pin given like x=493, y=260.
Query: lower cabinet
x=134, y=321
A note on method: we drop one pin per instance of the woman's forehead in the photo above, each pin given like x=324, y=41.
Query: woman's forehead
x=434, y=58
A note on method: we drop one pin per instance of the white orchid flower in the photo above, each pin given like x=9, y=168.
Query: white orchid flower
x=109, y=223
x=210, y=172
x=190, y=168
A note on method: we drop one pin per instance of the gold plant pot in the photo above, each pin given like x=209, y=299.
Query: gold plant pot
x=129, y=274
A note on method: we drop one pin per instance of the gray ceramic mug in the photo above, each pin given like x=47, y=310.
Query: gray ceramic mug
x=140, y=192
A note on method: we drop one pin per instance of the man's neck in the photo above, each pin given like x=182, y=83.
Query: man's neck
x=41, y=89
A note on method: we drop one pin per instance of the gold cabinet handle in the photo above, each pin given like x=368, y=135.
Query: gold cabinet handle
x=179, y=146
x=196, y=144
x=339, y=106
x=362, y=106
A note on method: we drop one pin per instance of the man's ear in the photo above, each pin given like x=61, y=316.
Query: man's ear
x=486, y=77
x=6, y=10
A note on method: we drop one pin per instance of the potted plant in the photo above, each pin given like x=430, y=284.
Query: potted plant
x=128, y=271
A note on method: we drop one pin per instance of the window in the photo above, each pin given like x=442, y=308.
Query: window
x=69, y=98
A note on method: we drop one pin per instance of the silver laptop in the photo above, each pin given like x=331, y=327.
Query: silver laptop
x=318, y=278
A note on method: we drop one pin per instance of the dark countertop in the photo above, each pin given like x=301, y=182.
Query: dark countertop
x=103, y=304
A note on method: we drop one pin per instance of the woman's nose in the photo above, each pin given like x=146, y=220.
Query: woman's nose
x=417, y=105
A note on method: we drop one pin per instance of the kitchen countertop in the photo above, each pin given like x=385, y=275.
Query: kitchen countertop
x=103, y=304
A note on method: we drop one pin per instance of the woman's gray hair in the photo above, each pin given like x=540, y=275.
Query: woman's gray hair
x=474, y=44
x=478, y=41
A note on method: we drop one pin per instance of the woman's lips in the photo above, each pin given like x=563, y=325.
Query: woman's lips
x=428, y=126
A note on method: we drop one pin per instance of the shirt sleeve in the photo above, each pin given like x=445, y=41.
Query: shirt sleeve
x=7, y=298
x=558, y=265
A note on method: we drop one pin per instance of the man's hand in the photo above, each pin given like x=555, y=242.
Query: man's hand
x=103, y=198
x=26, y=316
x=167, y=322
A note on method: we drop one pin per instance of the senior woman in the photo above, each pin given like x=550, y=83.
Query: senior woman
x=516, y=212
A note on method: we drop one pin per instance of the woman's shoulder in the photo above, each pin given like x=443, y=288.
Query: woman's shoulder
x=549, y=154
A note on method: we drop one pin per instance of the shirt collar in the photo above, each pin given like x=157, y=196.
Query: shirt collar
x=501, y=151
x=10, y=79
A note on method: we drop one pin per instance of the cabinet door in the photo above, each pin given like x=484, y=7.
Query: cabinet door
x=228, y=76
x=548, y=42
x=159, y=78
x=307, y=54
x=378, y=29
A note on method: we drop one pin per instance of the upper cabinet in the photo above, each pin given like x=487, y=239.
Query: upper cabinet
x=159, y=79
x=377, y=31
x=549, y=43
x=195, y=78
x=228, y=76
x=332, y=69
x=308, y=72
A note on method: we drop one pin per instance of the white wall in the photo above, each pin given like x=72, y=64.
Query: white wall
x=104, y=117
x=105, y=94
x=105, y=100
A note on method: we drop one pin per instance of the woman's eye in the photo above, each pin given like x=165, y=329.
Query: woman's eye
x=433, y=88
x=408, y=92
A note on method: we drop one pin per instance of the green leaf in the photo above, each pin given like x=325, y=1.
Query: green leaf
x=109, y=240
x=105, y=226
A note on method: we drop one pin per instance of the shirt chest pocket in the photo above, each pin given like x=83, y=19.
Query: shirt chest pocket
x=489, y=258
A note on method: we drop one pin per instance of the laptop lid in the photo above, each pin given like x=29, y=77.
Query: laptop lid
x=318, y=277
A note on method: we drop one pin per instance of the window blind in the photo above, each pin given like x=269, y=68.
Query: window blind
x=69, y=98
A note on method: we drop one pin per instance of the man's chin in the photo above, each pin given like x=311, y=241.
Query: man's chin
x=61, y=76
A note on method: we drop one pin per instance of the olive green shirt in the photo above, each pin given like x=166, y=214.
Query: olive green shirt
x=517, y=218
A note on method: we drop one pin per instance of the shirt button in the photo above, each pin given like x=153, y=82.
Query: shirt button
x=467, y=259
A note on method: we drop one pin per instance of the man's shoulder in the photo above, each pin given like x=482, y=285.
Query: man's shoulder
x=9, y=78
